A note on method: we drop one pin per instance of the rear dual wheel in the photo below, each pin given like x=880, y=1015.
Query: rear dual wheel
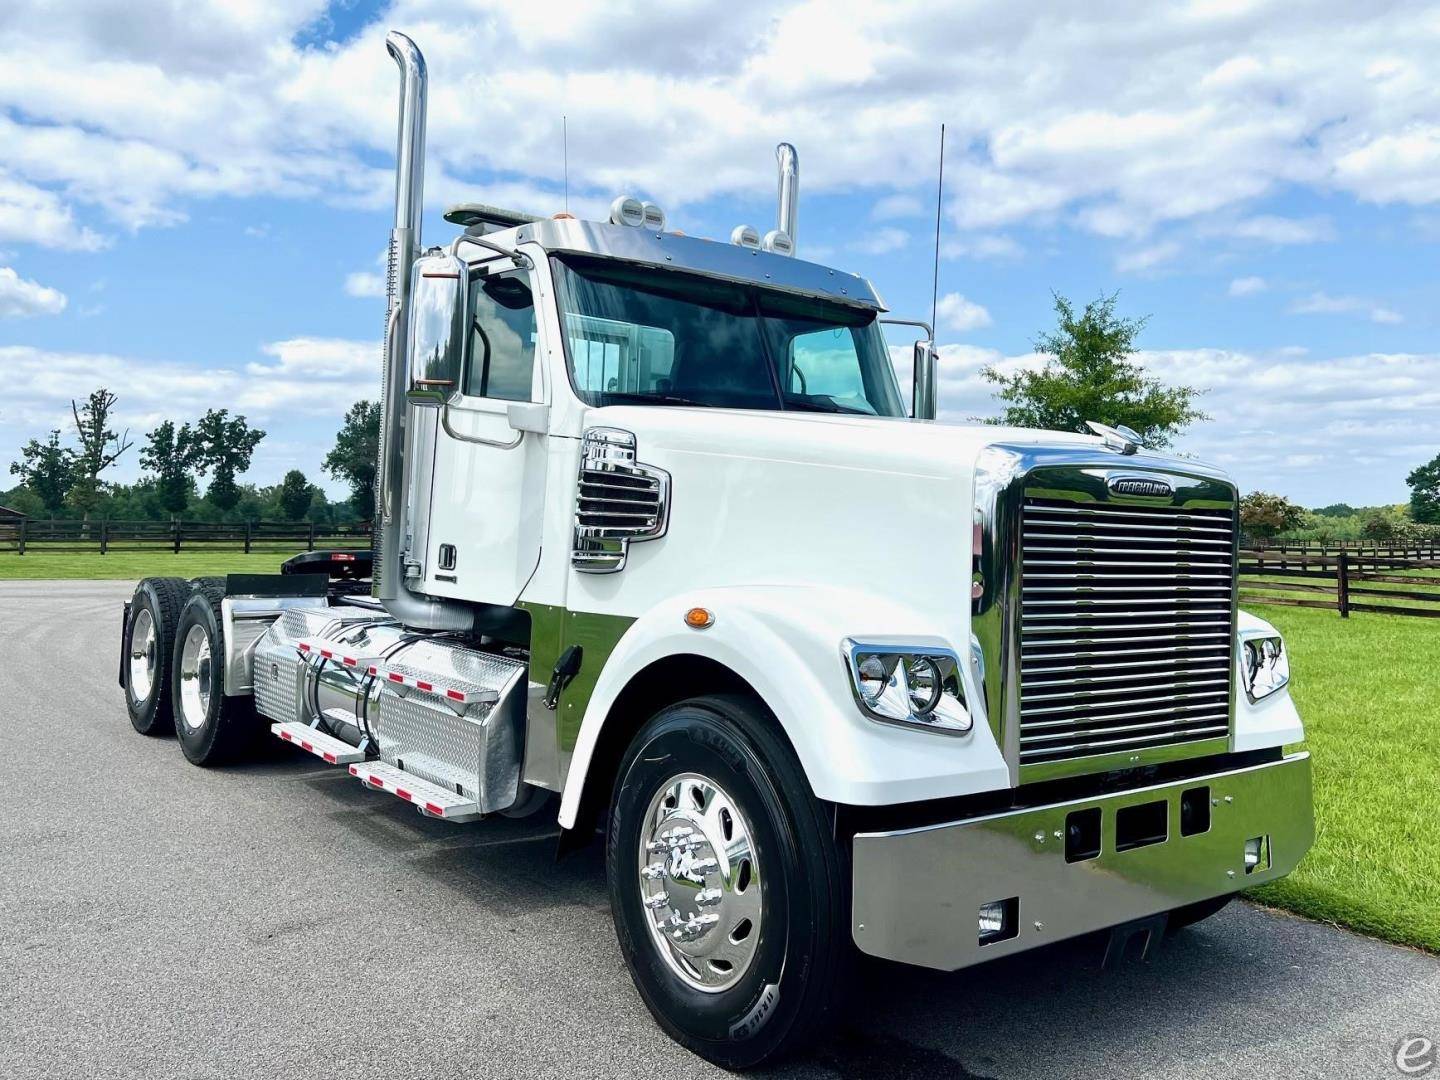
x=145, y=661
x=727, y=884
x=211, y=728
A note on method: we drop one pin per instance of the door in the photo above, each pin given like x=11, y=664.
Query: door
x=487, y=492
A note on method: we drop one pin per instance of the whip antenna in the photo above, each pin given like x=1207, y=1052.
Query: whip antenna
x=565, y=156
x=939, y=196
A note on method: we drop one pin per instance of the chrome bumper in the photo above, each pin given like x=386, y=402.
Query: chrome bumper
x=918, y=892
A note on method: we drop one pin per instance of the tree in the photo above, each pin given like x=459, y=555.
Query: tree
x=99, y=449
x=47, y=470
x=1265, y=515
x=353, y=460
x=1089, y=376
x=224, y=448
x=1336, y=510
x=296, y=495
x=170, y=453
x=1425, y=493
x=1379, y=526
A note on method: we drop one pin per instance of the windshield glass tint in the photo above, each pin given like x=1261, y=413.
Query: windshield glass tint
x=635, y=335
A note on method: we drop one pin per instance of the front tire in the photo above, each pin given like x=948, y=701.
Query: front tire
x=211, y=728
x=727, y=884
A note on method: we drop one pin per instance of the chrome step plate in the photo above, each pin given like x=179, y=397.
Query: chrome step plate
x=432, y=800
x=312, y=740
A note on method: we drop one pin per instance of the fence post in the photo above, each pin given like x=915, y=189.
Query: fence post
x=175, y=528
x=311, y=543
x=22, y=535
x=104, y=536
x=247, y=536
x=1342, y=584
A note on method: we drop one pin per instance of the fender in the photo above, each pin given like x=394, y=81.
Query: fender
x=785, y=642
x=1271, y=721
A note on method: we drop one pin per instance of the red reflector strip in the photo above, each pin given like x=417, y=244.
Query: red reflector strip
x=307, y=746
x=303, y=646
x=404, y=794
x=455, y=695
x=396, y=677
x=328, y=654
x=286, y=736
x=438, y=811
x=427, y=687
x=349, y=661
x=340, y=556
x=354, y=771
x=331, y=758
x=375, y=781
x=372, y=670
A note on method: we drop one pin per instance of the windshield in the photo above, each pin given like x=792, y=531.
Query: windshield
x=639, y=335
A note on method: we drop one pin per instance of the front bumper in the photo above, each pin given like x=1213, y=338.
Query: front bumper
x=918, y=892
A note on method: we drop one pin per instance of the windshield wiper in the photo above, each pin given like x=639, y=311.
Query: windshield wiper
x=808, y=405
x=612, y=397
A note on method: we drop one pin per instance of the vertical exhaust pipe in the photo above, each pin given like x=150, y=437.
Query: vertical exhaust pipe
x=787, y=217
x=389, y=528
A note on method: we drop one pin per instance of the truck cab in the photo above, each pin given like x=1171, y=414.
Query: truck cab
x=664, y=550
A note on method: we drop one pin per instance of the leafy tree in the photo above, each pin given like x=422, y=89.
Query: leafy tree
x=47, y=470
x=170, y=454
x=1265, y=515
x=353, y=460
x=296, y=495
x=1089, y=376
x=1379, y=526
x=99, y=449
x=1425, y=493
x=1336, y=510
x=24, y=501
x=224, y=448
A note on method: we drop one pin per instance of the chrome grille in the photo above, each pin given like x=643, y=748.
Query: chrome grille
x=1126, y=625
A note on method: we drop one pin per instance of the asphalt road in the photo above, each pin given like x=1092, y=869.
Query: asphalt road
x=277, y=920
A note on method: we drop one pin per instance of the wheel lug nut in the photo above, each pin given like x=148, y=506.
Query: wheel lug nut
x=655, y=902
x=706, y=897
x=653, y=872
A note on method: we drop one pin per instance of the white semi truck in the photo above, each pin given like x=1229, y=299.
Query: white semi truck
x=660, y=550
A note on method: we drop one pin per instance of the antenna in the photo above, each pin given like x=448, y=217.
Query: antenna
x=565, y=155
x=939, y=196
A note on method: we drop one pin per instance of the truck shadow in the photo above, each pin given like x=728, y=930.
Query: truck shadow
x=1053, y=1009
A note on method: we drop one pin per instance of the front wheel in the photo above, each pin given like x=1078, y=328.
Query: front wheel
x=727, y=884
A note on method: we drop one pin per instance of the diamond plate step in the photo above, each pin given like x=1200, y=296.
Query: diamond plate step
x=335, y=751
x=432, y=800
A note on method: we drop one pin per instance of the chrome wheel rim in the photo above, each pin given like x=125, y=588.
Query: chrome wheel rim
x=700, y=882
x=142, y=656
x=195, y=677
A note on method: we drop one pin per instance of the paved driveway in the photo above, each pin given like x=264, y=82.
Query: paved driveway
x=277, y=920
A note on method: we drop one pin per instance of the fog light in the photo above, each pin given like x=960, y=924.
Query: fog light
x=1257, y=854
x=998, y=920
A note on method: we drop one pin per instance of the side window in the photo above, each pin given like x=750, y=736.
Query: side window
x=826, y=364
x=502, y=337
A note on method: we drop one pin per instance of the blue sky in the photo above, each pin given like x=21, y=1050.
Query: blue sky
x=193, y=200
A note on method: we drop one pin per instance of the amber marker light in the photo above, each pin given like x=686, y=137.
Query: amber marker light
x=699, y=618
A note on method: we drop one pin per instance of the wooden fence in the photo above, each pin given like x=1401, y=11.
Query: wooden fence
x=28, y=534
x=1419, y=549
x=1379, y=583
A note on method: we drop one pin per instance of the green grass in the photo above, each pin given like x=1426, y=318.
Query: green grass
x=39, y=565
x=1368, y=690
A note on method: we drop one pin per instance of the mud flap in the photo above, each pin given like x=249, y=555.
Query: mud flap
x=124, y=626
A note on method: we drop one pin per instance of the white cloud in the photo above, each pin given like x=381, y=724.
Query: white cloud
x=20, y=297
x=981, y=246
x=1247, y=286
x=365, y=284
x=1320, y=303
x=957, y=313
x=1147, y=258
x=881, y=241
x=138, y=111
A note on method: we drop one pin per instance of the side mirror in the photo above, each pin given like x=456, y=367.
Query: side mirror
x=438, y=328
x=923, y=404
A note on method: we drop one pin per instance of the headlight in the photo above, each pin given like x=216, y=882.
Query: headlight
x=1264, y=665
x=908, y=684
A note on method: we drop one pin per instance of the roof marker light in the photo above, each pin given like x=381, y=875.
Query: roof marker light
x=627, y=210
x=654, y=216
x=778, y=243
x=745, y=236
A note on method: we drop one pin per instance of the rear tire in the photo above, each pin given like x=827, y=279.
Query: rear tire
x=149, y=642
x=211, y=728
x=760, y=850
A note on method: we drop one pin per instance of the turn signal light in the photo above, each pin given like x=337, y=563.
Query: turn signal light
x=699, y=618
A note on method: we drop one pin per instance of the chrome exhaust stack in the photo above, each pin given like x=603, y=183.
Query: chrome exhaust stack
x=787, y=217
x=395, y=438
